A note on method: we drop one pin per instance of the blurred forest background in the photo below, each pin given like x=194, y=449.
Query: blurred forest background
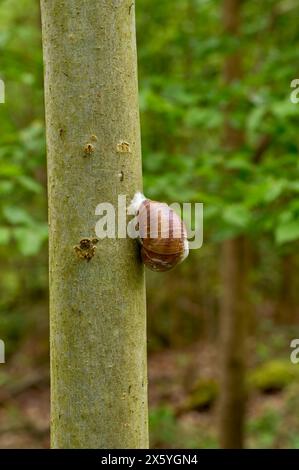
x=218, y=127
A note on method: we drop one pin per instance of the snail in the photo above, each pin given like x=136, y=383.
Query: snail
x=162, y=234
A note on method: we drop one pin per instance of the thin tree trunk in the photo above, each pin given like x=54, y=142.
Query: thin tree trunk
x=233, y=325
x=97, y=304
x=287, y=303
x=234, y=278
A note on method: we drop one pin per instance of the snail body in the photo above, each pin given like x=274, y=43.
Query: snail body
x=162, y=234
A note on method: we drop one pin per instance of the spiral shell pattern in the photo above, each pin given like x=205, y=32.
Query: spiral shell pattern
x=163, y=236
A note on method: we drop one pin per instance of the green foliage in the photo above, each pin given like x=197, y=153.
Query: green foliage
x=203, y=395
x=167, y=431
x=23, y=205
x=183, y=96
x=273, y=376
x=162, y=425
x=265, y=429
x=13, y=325
x=22, y=149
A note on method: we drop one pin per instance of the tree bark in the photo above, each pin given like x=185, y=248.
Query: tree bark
x=97, y=304
x=233, y=325
x=286, y=313
x=234, y=268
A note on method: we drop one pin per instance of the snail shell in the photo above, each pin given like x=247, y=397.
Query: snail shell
x=163, y=234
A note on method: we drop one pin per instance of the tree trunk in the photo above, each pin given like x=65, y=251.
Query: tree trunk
x=286, y=313
x=233, y=325
x=233, y=278
x=97, y=293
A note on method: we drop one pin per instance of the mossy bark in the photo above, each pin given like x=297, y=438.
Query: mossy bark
x=97, y=306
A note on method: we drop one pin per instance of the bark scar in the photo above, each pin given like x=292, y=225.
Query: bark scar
x=86, y=248
x=89, y=149
x=123, y=147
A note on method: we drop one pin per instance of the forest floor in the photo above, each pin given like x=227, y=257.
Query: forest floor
x=176, y=421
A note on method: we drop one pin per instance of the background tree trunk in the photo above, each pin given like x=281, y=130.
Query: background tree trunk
x=233, y=337
x=234, y=270
x=97, y=307
x=287, y=302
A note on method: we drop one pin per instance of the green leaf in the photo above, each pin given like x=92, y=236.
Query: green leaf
x=9, y=169
x=283, y=109
x=275, y=189
x=4, y=235
x=236, y=215
x=6, y=187
x=255, y=118
x=30, y=240
x=203, y=117
x=293, y=186
x=287, y=232
x=239, y=163
x=17, y=215
x=265, y=191
x=29, y=184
